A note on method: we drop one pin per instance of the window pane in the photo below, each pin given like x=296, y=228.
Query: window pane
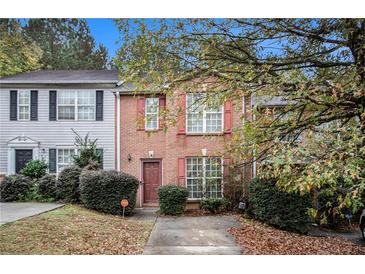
x=86, y=113
x=23, y=112
x=204, y=177
x=64, y=158
x=66, y=97
x=195, y=177
x=66, y=113
x=151, y=113
x=86, y=98
x=214, y=122
x=24, y=97
x=201, y=117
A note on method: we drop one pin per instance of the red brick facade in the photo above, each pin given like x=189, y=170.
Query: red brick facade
x=170, y=147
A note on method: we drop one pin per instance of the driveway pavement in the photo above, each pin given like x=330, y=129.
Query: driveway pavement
x=192, y=236
x=10, y=212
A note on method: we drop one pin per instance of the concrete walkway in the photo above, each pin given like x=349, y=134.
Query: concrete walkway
x=192, y=236
x=10, y=212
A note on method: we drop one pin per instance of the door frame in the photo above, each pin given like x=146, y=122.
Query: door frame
x=150, y=160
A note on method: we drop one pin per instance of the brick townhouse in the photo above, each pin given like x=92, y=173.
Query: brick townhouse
x=190, y=154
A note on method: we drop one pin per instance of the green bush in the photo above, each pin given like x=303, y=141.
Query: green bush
x=87, y=151
x=102, y=191
x=271, y=205
x=172, y=199
x=67, y=187
x=14, y=188
x=214, y=205
x=34, y=169
x=47, y=186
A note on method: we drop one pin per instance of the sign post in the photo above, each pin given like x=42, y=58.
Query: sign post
x=124, y=203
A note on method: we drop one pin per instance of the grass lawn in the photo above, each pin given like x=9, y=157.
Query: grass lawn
x=257, y=238
x=74, y=230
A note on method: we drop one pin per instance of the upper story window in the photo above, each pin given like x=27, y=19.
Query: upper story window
x=151, y=113
x=24, y=105
x=76, y=105
x=202, y=118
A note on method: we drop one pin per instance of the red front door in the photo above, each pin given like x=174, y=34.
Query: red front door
x=151, y=180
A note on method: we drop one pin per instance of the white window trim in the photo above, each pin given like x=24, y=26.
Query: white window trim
x=203, y=178
x=19, y=105
x=204, y=120
x=146, y=113
x=76, y=105
x=58, y=148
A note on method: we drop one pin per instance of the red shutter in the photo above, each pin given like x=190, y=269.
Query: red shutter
x=181, y=171
x=226, y=164
x=140, y=113
x=228, y=116
x=162, y=105
x=182, y=114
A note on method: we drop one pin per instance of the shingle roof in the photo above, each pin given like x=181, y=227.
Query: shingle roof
x=62, y=76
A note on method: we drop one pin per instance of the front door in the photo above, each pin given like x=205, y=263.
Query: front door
x=22, y=156
x=151, y=180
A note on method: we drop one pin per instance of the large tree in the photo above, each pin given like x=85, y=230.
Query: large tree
x=17, y=53
x=316, y=65
x=66, y=44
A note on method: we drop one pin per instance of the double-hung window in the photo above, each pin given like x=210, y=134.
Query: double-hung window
x=201, y=117
x=64, y=158
x=204, y=177
x=24, y=105
x=76, y=105
x=151, y=113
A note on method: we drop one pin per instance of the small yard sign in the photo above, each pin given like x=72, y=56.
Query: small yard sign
x=124, y=203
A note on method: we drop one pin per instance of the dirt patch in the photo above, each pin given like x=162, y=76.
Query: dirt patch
x=257, y=238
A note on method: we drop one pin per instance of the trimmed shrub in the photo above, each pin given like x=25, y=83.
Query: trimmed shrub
x=102, y=190
x=273, y=206
x=34, y=169
x=67, y=187
x=172, y=199
x=214, y=205
x=47, y=186
x=14, y=188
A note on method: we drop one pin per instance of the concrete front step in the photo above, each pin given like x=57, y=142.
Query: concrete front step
x=192, y=250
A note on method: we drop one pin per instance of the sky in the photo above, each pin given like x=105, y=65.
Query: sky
x=105, y=32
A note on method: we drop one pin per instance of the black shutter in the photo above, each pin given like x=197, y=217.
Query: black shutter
x=52, y=105
x=99, y=105
x=13, y=105
x=101, y=152
x=34, y=105
x=52, y=161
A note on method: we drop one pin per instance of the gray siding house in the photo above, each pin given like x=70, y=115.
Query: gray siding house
x=38, y=110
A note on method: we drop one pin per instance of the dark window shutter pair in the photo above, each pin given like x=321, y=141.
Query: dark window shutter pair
x=33, y=105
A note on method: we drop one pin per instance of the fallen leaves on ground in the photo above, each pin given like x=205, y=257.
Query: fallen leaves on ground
x=259, y=239
x=74, y=230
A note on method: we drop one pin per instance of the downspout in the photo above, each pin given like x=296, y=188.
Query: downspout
x=118, y=130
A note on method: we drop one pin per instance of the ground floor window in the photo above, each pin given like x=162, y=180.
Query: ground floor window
x=64, y=158
x=204, y=177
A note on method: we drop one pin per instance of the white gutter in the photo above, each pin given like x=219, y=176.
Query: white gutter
x=118, y=130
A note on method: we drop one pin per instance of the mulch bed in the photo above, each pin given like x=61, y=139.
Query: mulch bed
x=257, y=238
